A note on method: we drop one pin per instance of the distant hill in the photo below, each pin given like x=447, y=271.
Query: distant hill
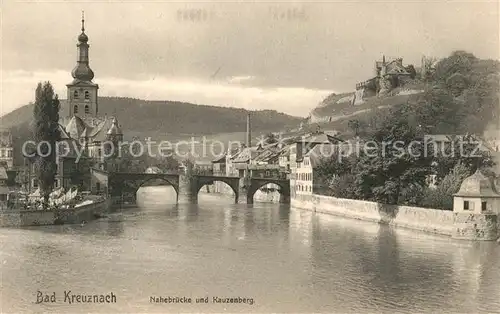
x=161, y=120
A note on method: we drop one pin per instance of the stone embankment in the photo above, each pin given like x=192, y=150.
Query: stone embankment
x=435, y=221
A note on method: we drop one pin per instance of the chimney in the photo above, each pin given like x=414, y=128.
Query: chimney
x=249, y=131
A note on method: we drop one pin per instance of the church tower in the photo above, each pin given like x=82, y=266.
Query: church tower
x=82, y=92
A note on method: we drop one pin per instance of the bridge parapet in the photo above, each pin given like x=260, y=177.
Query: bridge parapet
x=187, y=186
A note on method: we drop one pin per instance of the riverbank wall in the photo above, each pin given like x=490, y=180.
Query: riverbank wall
x=429, y=220
x=25, y=218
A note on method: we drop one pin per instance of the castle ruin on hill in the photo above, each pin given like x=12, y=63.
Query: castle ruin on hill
x=390, y=73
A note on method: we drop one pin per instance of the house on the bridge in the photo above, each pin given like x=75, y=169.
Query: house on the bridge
x=203, y=167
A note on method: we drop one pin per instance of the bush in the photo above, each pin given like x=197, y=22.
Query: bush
x=442, y=196
x=343, y=186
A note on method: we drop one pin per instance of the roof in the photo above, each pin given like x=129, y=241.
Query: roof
x=62, y=132
x=320, y=138
x=77, y=82
x=98, y=133
x=245, y=155
x=478, y=185
x=482, y=144
x=75, y=127
x=328, y=150
x=285, y=150
x=267, y=155
x=220, y=159
x=114, y=129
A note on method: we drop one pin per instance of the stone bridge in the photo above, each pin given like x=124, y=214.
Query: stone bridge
x=116, y=184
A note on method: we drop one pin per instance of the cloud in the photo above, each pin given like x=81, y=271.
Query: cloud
x=239, y=79
x=18, y=89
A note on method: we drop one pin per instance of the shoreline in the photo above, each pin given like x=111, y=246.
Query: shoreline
x=474, y=227
x=25, y=218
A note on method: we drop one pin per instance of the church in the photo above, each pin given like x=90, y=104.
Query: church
x=83, y=122
x=81, y=126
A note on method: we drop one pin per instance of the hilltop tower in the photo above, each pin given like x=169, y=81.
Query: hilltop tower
x=82, y=92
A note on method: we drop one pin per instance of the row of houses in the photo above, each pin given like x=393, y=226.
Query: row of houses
x=297, y=159
x=280, y=160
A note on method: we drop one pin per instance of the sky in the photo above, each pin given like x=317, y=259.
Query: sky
x=261, y=55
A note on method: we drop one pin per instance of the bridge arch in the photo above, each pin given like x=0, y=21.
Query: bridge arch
x=201, y=181
x=125, y=183
x=142, y=183
x=257, y=183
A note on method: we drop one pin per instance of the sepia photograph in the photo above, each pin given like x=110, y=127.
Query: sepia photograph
x=338, y=156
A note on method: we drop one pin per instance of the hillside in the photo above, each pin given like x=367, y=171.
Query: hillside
x=459, y=95
x=158, y=118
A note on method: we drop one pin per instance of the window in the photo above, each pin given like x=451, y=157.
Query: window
x=35, y=183
x=483, y=206
x=75, y=109
x=466, y=205
x=98, y=186
x=56, y=183
x=87, y=109
x=87, y=94
x=75, y=94
x=9, y=153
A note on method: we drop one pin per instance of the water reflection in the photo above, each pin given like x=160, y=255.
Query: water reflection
x=410, y=267
x=287, y=260
x=115, y=229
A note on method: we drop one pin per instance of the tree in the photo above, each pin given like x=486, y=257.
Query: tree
x=437, y=112
x=344, y=186
x=461, y=150
x=442, y=196
x=46, y=134
x=397, y=165
x=270, y=138
x=411, y=69
x=354, y=125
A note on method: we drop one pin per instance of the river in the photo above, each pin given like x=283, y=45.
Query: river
x=282, y=259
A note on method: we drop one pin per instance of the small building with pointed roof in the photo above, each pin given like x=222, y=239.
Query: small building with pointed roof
x=476, y=207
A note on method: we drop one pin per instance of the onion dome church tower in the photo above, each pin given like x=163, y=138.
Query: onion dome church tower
x=82, y=92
